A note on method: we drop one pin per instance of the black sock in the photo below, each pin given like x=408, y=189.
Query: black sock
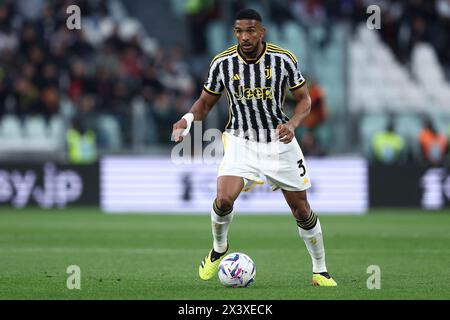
x=216, y=255
x=325, y=274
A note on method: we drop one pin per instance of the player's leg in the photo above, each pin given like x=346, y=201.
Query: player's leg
x=311, y=232
x=228, y=189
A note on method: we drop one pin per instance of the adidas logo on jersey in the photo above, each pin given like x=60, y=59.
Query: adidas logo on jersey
x=236, y=77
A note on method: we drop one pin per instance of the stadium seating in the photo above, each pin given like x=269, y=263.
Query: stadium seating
x=359, y=73
x=216, y=37
x=109, y=128
x=32, y=134
x=36, y=135
x=409, y=126
x=178, y=6
x=35, y=127
x=441, y=120
x=11, y=127
x=274, y=33
x=429, y=74
x=56, y=131
x=10, y=134
x=369, y=126
x=372, y=64
x=294, y=38
x=379, y=83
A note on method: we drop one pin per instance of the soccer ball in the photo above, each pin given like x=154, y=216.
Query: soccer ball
x=237, y=270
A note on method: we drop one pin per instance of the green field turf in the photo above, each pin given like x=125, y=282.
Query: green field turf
x=157, y=256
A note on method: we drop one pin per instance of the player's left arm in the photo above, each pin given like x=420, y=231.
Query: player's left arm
x=286, y=131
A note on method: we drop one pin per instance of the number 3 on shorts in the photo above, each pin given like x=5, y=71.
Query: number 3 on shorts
x=301, y=167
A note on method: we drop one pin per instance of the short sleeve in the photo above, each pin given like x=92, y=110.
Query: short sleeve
x=295, y=77
x=214, y=82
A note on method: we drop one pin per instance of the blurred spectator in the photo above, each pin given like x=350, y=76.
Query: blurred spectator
x=448, y=135
x=81, y=143
x=103, y=88
x=106, y=58
x=388, y=147
x=279, y=12
x=48, y=77
x=4, y=90
x=8, y=38
x=26, y=97
x=151, y=83
x=86, y=112
x=121, y=108
x=319, y=112
x=175, y=74
x=310, y=144
x=164, y=114
x=44, y=66
x=309, y=12
x=434, y=145
x=79, y=81
x=30, y=9
x=50, y=101
x=314, y=121
x=312, y=13
x=197, y=15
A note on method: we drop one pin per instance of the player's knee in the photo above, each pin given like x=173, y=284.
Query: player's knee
x=301, y=211
x=224, y=203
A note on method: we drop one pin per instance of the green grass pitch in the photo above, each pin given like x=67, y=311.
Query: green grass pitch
x=157, y=256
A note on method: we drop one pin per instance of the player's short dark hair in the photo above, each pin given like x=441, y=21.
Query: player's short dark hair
x=248, y=14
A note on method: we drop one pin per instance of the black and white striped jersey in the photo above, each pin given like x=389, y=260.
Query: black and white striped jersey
x=255, y=89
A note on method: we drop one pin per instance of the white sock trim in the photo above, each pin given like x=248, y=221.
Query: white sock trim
x=220, y=225
x=314, y=243
x=311, y=232
x=221, y=219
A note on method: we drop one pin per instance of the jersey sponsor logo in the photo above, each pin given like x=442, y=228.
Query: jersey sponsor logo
x=254, y=93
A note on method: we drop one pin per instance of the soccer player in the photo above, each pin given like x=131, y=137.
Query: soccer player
x=259, y=138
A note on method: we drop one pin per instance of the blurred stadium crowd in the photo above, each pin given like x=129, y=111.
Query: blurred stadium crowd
x=111, y=80
x=97, y=70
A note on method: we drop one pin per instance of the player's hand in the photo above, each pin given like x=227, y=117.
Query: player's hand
x=285, y=132
x=178, y=129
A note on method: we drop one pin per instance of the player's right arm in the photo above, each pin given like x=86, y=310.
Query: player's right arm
x=200, y=110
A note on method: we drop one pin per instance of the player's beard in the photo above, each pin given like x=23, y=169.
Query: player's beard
x=250, y=54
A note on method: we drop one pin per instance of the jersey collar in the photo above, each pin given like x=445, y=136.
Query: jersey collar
x=255, y=61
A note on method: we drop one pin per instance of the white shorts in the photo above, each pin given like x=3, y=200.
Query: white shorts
x=283, y=165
